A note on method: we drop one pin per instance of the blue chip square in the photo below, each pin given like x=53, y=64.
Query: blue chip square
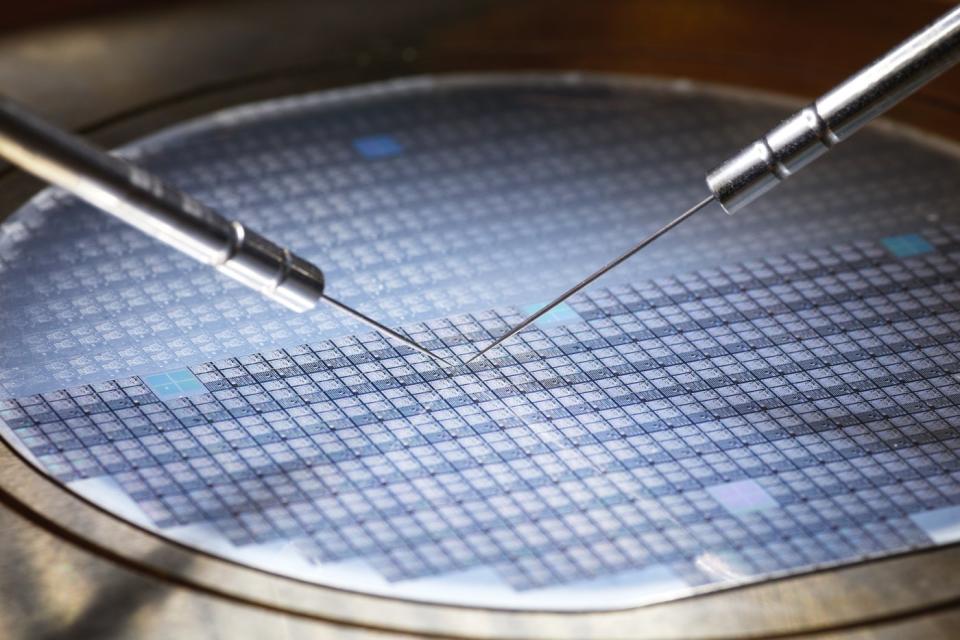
x=905, y=246
x=379, y=146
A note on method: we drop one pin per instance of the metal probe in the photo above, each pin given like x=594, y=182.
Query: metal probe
x=161, y=211
x=807, y=135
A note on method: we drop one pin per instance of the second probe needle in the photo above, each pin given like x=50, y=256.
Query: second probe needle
x=596, y=274
x=367, y=320
x=812, y=131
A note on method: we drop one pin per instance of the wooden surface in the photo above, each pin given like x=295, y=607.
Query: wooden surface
x=69, y=571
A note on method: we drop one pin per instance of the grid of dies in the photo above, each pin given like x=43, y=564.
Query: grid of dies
x=580, y=450
x=487, y=183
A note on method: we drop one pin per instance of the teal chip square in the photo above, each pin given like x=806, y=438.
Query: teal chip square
x=561, y=314
x=166, y=390
x=182, y=375
x=157, y=378
x=190, y=386
x=174, y=384
x=907, y=245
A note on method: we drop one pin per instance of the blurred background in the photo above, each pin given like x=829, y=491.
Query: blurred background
x=89, y=62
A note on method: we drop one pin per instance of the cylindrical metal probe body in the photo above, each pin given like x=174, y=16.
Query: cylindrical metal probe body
x=813, y=131
x=157, y=209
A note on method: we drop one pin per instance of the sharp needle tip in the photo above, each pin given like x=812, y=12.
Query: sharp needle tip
x=480, y=353
x=596, y=274
x=385, y=330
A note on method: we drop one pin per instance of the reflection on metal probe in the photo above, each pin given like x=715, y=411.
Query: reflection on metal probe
x=808, y=134
x=146, y=202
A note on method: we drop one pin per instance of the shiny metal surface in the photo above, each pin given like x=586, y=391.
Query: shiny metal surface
x=838, y=114
x=157, y=209
x=808, y=134
x=161, y=211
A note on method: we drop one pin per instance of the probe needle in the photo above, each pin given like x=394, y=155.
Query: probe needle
x=384, y=329
x=596, y=274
